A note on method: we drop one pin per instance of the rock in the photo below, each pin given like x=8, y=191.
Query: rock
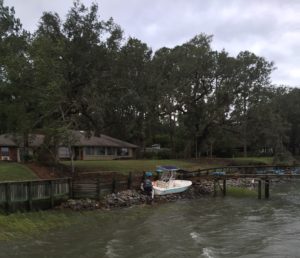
x=136, y=197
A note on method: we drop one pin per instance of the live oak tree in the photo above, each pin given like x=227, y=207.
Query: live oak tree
x=82, y=73
x=252, y=75
x=18, y=111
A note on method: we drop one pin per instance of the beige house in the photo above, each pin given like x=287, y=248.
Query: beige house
x=101, y=147
x=84, y=147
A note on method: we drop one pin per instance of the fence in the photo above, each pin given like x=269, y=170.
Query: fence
x=96, y=185
x=31, y=195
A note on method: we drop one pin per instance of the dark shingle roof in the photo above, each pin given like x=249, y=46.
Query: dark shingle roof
x=81, y=139
x=11, y=140
x=103, y=140
x=119, y=142
x=7, y=140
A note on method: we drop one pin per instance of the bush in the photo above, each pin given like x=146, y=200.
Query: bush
x=158, y=154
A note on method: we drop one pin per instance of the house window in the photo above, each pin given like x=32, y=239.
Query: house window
x=111, y=151
x=4, y=151
x=123, y=152
x=99, y=151
x=89, y=151
x=63, y=152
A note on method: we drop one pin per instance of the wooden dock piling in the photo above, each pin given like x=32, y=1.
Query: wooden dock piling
x=224, y=187
x=113, y=188
x=98, y=188
x=51, y=189
x=29, y=195
x=267, y=189
x=129, y=180
x=7, y=197
x=259, y=190
x=215, y=187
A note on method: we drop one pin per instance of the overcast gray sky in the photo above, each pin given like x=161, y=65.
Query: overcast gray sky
x=269, y=28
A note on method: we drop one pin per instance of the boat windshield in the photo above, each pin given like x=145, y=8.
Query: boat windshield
x=168, y=173
x=166, y=168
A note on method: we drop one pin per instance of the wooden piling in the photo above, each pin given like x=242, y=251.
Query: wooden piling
x=8, y=197
x=98, y=189
x=29, y=195
x=70, y=184
x=267, y=189
x=113, y=187
x=51, y=189
x=259, y=189
x=224, y=187
x=215, y=187
x=129, y=181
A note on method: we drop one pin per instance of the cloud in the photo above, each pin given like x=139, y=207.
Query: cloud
x=267, y=28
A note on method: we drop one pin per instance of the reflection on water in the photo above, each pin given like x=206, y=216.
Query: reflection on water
x=208, y=227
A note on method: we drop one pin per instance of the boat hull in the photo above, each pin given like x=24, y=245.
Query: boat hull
x=176, y=186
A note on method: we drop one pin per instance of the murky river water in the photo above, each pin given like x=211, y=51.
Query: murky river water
x=208, y=227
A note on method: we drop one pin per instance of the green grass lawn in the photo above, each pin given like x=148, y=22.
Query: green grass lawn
x=130, y=165
x=150, y=165
x=10, y=171
x=253, y=160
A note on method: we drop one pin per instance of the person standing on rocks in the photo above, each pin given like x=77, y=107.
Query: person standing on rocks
x=146, y=185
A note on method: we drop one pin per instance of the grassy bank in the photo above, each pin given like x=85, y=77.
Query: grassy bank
x=26, y=225
x=10, y=171
x=130, y=165
x=252, y=161
x=144, y=165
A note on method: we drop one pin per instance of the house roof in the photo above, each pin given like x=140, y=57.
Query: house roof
x=7, y=140
x=81, y=139
x=12, y=140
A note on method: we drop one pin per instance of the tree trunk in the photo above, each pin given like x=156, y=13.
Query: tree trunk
x=245, y=149
x=196, y=147
x=69, y=145
x=171, y=135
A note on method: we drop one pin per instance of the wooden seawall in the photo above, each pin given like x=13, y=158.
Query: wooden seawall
x=43, y=194
x=33, y=195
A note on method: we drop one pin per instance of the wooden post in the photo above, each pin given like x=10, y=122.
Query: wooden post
x=129, y=182
x=98, y=189
x=113, y=183
x=29, y=195
x=259, y=189
x=51, y=185
x=70, y=188
x=215, y=187
x=224, y=187
x=267, y=189
x=8, y=197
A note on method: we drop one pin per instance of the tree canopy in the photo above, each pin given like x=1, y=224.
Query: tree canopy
x=82, y=73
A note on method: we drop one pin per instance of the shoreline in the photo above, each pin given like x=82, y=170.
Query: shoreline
x=129, y=198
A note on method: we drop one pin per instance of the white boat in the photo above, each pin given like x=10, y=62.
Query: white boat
x=167, y=184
